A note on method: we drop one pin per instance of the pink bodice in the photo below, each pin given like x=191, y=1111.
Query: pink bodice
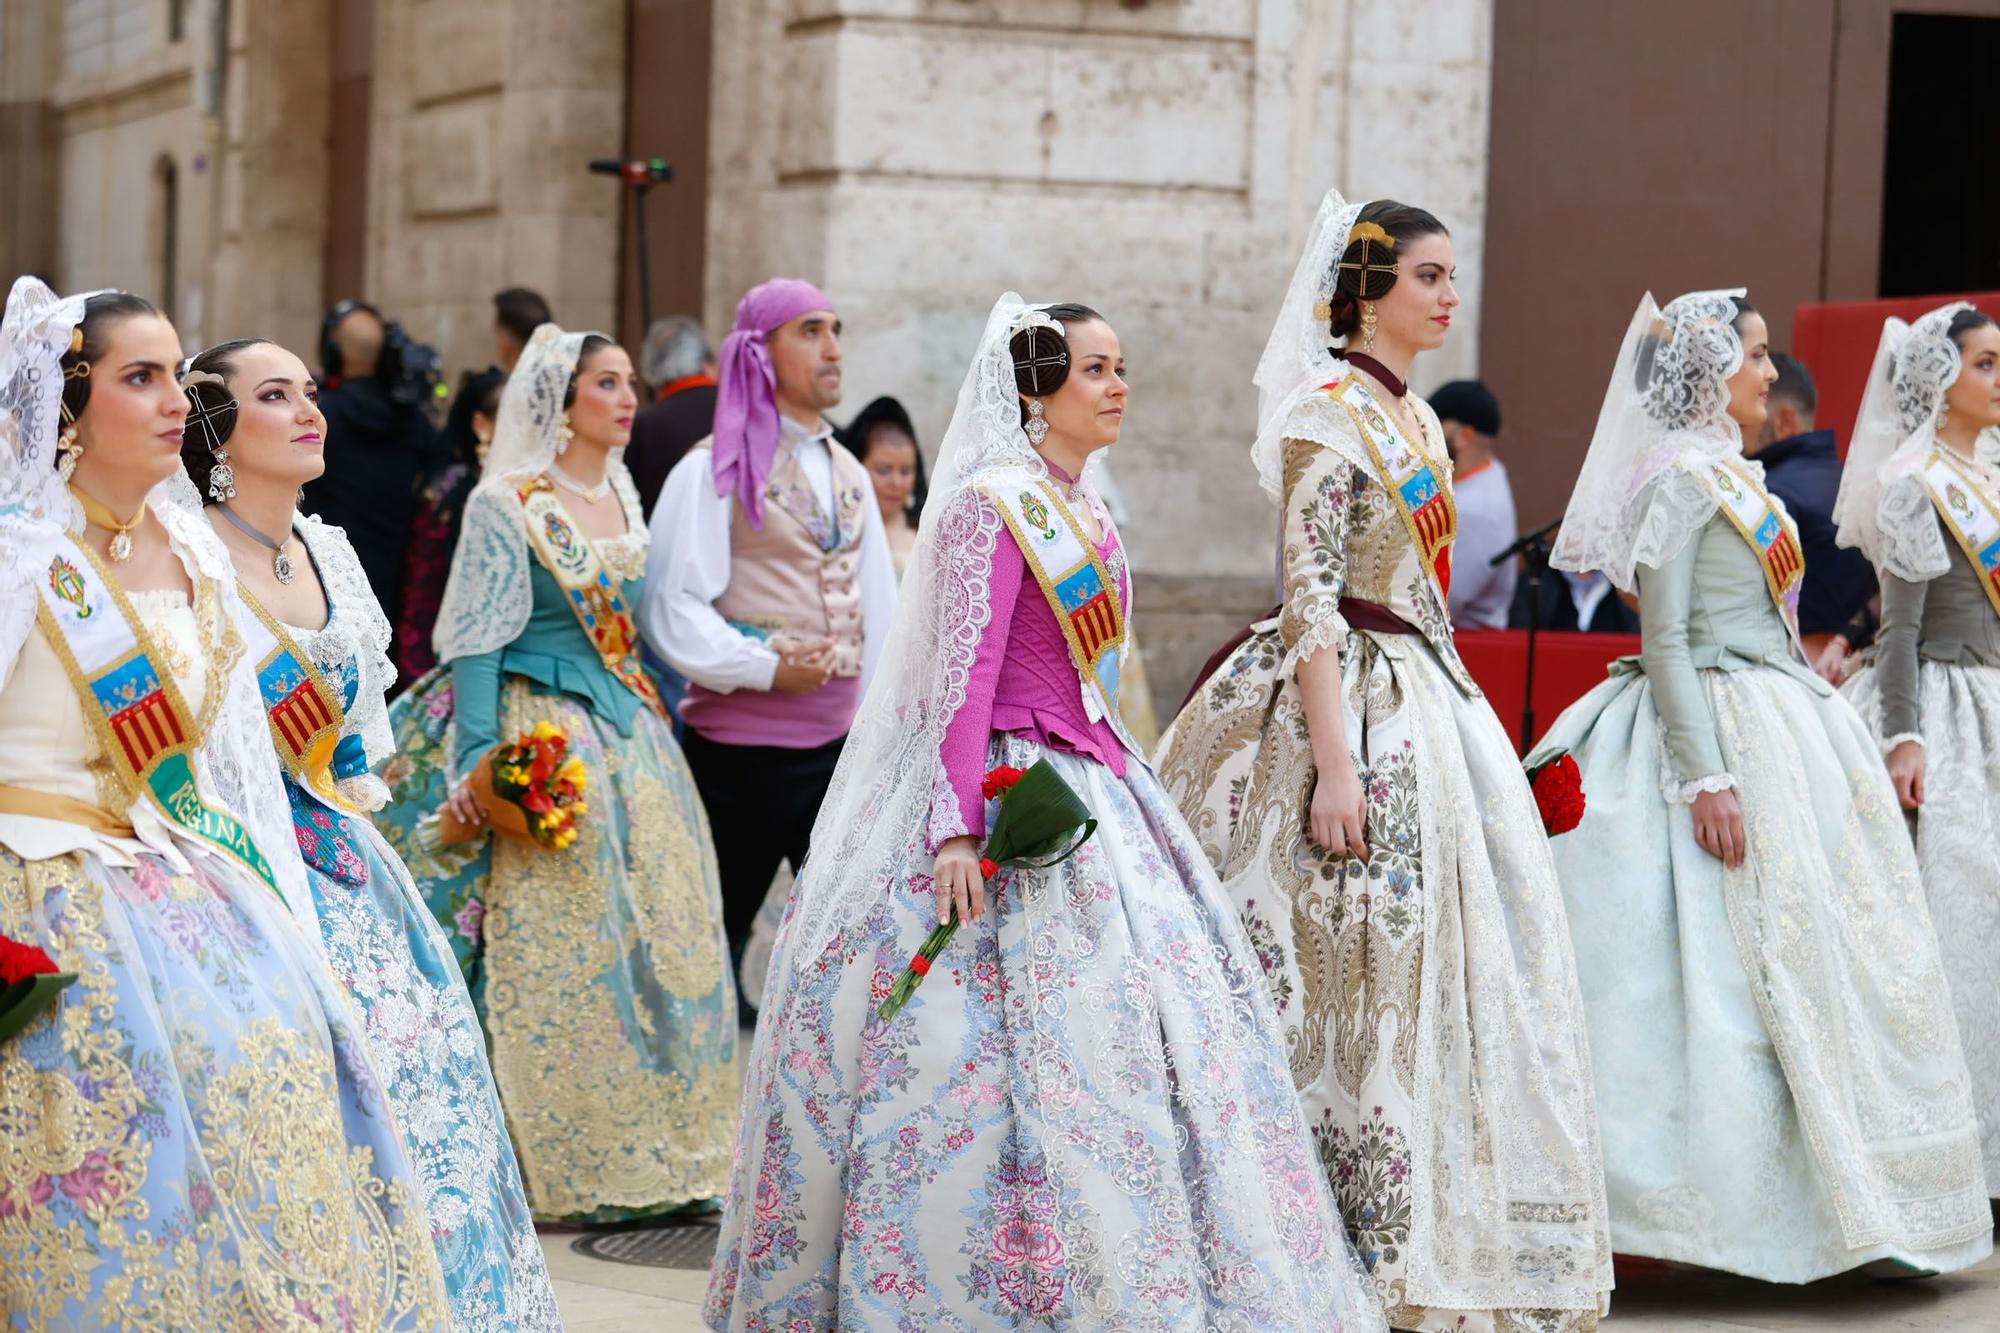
x=1024, y=680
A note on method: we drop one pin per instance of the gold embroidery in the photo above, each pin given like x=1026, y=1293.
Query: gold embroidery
x=296, y=1236
x=612, y=1091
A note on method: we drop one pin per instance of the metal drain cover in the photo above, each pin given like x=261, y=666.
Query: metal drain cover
x=687, y=1246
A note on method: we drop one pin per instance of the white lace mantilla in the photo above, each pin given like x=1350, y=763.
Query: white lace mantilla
x=355, y=638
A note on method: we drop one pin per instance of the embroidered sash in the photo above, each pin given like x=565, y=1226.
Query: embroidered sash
x=1769, y=531
x=597, y=599
x=303, y=706
x=1420, y=491
x=137, y=712
x=1971, y=515
x=1080, y=590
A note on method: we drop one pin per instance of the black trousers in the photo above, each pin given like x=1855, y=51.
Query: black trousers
x=761, y=802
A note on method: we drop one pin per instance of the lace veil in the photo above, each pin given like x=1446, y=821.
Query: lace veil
x=891, y=768
x=1641, y=495
x=1299, y=358
x=487, y=598
x=1884, y=508
x=235, y=763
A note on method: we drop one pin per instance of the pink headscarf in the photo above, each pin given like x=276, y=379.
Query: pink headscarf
x=746, y=398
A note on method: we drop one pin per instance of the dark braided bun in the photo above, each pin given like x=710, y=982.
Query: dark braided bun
x=1041, y=354
x=1361, y=273
x=212, y=408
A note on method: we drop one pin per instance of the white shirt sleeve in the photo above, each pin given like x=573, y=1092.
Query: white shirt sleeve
x=877, y=574
x=687, y=569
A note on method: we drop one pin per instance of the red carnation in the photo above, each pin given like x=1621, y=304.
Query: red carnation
x=20, y=961
x=987, y=868
x=1558, y=787
x=999, y=780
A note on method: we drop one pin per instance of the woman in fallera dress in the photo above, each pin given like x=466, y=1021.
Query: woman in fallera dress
x=1778, y=1074
x=193, y=1135
x=599, y=970
x=1920, y=501
x=319, y=641
x=1372, y=825
x=1082, y=1120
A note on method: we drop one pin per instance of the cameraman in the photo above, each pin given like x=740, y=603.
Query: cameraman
x=380, y=441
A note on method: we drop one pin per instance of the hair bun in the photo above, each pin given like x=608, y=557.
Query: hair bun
x=1041, y=359
x=211, y=411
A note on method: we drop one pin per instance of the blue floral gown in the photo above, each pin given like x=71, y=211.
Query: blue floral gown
x=194, y=1136
x=388, y=951
x=600, y=972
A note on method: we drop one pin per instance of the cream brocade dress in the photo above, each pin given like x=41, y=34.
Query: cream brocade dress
x=194, y=1135
x=1429, y=997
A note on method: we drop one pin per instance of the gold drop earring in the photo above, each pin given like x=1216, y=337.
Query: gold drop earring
x=68, y=452
x=564, y=436
x=1367, y=328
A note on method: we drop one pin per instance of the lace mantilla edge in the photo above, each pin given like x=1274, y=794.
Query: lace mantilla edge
x=1909, y=540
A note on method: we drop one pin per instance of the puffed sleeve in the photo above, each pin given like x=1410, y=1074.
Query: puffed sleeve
x=1666, y=600
x=1319, y=484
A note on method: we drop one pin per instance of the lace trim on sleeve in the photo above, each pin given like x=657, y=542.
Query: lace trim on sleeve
x=1889, y=743
x=1328, y=631
x=947, y=820
x=1683, y=793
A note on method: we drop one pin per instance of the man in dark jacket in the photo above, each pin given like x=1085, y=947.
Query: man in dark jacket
x=1802, y=468
x=379, y=449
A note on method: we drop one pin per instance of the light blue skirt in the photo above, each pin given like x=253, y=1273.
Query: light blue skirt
x=1780, y=1086
x=387, y=950
x=194, y=1136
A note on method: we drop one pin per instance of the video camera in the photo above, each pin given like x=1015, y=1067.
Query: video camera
x=412, y=373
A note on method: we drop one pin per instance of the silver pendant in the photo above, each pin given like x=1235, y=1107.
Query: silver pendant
x=121, y=547
x=281, y=565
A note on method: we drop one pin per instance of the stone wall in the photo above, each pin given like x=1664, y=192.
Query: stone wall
x=30, y=60
x=485, y=114
x=1157, y=159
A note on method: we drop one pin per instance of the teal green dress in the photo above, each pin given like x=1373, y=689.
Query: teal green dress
x=1779, y=1081
x=600, y=971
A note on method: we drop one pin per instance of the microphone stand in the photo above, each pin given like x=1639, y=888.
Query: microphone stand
x=642, y=175
x=1533, y=548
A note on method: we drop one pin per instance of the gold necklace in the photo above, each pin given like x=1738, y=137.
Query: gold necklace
x=121, y=532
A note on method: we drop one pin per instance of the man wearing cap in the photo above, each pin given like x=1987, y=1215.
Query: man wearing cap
x=770, y=587
x=1481, y=592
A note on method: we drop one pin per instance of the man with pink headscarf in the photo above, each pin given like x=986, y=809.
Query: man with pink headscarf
x=770, y=587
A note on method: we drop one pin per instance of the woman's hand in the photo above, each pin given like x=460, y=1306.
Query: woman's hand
x=1906, y=770
x=1832, y=663
x=464, y=806
x=1718, y=826
x=960, y=886
x=1337, y=811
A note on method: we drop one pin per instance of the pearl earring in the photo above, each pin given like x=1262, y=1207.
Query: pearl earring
x=1038, y=424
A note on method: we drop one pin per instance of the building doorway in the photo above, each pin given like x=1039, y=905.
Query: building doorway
x=1941, y=160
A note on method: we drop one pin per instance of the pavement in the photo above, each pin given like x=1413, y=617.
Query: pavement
x=598, y=1296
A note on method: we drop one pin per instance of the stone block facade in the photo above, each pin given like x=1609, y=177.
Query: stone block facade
x=1157, y=159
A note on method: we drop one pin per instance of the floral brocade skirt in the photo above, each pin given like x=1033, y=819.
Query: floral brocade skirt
x=1429, y=1002
x=387, y=950
x=1779, y=1075
x=1958, y=850
x=1081, y=1120
x=600, y=972
x=193, y=1135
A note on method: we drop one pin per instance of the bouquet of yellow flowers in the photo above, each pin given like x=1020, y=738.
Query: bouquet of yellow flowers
x=532, y=790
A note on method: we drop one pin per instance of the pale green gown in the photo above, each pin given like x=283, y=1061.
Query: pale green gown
x=1779, y=1079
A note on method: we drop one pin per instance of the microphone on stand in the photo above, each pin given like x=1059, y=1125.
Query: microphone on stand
x=1533, y=548
x=638, y=171
x=642, y=174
